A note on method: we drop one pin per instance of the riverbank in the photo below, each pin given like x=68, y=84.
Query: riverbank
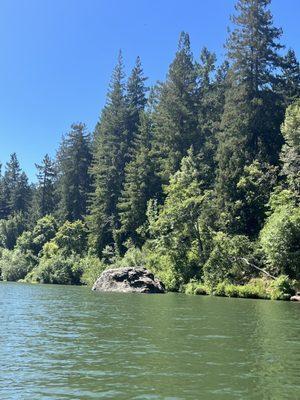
x=281, y=288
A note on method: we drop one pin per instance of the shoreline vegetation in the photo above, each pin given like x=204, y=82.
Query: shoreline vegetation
x=196, y=178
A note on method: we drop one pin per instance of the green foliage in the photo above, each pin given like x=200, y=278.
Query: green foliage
x=229, y=260
x=11, y=229
x=44, y=230
x=280, y=241
x=290, y=154
x=257, y=288
x=282, y=288
x=16, y=190
x=250, y=127
x=13, y=265
x=178, y=231
x=288, y=84
x=58, y=270
x=71, y=237
x=74, y=181
x=254, y=187
x=107, y=171
x=197, y=288
x=163, y=267
x=45, y=196
x=91, y=267
x=140, y=185
x=134, y=257
x=175, y=126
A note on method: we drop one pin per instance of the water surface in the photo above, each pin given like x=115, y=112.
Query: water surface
x=66, y=342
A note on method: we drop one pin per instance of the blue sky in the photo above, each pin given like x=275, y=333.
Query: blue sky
x=57, y=57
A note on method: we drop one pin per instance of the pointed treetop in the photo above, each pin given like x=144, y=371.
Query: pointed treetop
x=116, y=86
x=136, y=89
x=184, y=43
x=253, y=45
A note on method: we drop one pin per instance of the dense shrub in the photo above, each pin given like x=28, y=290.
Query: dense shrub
x=58, y=269
x=280, y=241
x=195, y=287
x=44, y=230
x=226, y=261
x=231, y=290
x=282, y=288
x=11, y=229
x=71, y=237
x=91, y=267
x=13, y=265
x=133, y=257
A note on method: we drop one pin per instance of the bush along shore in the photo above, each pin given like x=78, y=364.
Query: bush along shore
x=196, y=178
x=281, y=288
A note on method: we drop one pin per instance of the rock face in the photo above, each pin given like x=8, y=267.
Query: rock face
x=128, y=280
x=296, y=297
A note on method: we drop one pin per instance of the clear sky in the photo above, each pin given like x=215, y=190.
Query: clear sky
x=57, y=57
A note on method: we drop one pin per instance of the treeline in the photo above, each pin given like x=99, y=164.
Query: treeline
x=197, y=178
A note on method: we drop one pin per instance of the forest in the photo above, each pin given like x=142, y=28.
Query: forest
x=197, y=177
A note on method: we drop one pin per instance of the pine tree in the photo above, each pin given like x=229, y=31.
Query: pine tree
x=175, y=117
x=290, y=154
x=3, y=197
x=212, y=88
x=253, y=48
x=16, y=187
x=136, y=101
x=250, y=126
x=109, y=158
x=289, y=82
x=74, y=160
x=141, y=184
x=45, y=193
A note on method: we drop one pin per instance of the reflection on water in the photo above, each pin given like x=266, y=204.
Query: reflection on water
x=61, y=342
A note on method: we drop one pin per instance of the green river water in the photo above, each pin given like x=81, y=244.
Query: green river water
x=67, y=342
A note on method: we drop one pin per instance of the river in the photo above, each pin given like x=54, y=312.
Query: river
x=67, y=342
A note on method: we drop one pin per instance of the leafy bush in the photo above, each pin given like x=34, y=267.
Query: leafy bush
x=71, y=237
x=44, y=230
x=13, y=265
x=58, y=269
x=220, y=289
x=162, y=266
x=282, y=288
x=280, y=241
x=259, y=288
x=255, y=289
x=226, y=261
x=134, y=257
x=91, y=267
x=197, y=288
x=231, y=290
x=11, y=229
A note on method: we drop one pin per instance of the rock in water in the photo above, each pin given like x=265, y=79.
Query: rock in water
x=296, y=297
x=128, y=280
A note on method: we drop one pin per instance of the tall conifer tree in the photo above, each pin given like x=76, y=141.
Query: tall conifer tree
x=46, y=200
x=16, y=187
x=136, y=101
x=141, y=184
x=175, y=117
x=289, y=82
x=74, y=160
x=109, y=157
x=251, y=119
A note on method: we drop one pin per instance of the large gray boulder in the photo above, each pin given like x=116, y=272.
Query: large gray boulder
x=128, y=280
